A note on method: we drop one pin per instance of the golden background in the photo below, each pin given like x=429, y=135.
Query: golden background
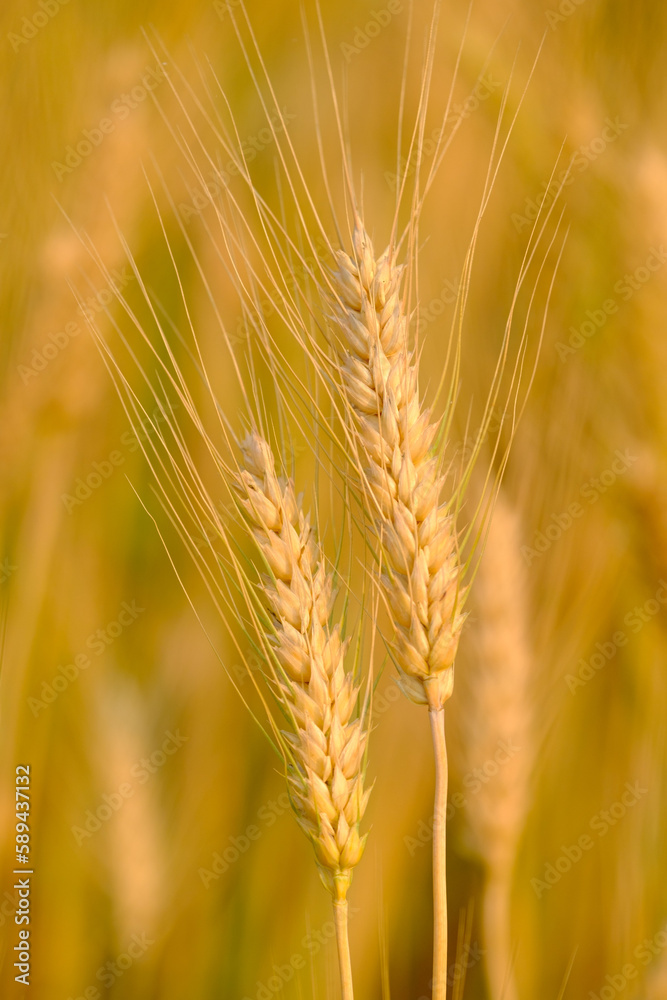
x=565, y=585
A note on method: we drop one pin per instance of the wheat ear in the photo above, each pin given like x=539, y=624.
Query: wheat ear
x=325, y=748
x=402, y=481
x=499, y=707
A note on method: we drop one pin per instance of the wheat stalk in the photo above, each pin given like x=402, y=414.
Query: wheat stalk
x=403, y=483
x=325, y=748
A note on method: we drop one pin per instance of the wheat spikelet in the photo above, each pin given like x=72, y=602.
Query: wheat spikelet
x=498, y=709
x=422, y=579
x=328, y=746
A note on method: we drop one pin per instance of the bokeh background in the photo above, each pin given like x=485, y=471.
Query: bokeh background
x=565, y=652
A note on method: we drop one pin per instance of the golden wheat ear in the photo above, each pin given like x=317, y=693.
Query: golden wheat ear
x=325, y=747
x=497, y=717
x=402, y=478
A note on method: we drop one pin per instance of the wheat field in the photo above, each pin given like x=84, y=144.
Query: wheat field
x=157, y=311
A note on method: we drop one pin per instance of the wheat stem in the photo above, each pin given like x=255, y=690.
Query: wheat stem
x=499, y=706
x=437, y=719
x=497, y=936
x=343, y=942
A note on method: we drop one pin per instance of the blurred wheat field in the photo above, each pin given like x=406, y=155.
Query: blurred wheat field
x=194, y=881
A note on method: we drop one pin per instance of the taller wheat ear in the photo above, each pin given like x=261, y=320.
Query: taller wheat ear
x=402, y=482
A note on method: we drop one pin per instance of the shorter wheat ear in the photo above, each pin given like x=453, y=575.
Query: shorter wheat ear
x=325, y=745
